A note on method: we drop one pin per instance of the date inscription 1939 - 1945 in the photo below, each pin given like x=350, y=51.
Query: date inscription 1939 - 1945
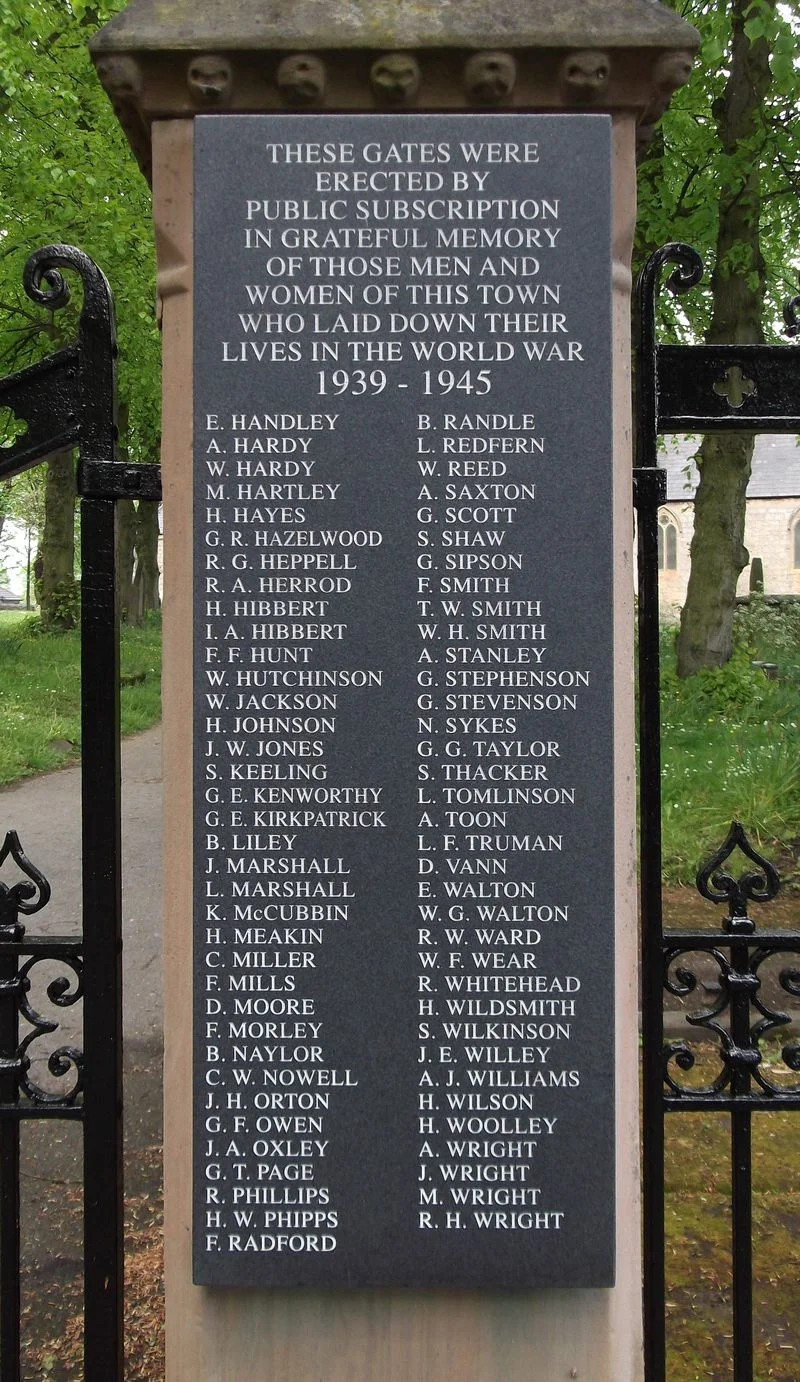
x=403, y=950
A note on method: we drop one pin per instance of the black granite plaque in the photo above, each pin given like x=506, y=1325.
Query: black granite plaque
x=403, y=838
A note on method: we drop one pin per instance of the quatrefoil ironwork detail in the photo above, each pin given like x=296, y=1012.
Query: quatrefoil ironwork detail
x=734, y=386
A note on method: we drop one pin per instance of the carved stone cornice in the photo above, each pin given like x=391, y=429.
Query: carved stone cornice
x=160, y=61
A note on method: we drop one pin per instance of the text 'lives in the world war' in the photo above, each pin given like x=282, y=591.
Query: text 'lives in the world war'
x=403, y=837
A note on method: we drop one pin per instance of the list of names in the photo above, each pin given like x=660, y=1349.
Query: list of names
x=403, y=695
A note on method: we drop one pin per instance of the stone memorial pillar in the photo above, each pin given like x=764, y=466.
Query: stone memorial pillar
x=401, y=1036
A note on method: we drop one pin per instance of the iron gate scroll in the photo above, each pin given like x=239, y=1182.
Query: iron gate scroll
x=685, y=389
x=68, y=400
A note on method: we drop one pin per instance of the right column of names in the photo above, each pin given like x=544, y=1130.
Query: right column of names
x=499, y=1014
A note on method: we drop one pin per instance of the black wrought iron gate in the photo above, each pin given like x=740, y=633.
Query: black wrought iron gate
x=676, y=393
x=68, y=400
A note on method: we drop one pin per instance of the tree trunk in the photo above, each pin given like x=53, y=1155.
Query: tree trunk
x=58, y=591
x=127, y=523
x=718, y=554
x=146, y=592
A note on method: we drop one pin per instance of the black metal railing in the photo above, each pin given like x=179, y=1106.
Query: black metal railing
x=68, y=400
x=701, y=389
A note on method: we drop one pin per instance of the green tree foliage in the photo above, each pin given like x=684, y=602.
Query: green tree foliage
x=67, y=174
x=687, y=172
x=723, y=175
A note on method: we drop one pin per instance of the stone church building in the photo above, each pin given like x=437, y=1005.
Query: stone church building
x=772, y=526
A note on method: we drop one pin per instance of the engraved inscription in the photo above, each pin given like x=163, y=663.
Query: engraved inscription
x=403, y=701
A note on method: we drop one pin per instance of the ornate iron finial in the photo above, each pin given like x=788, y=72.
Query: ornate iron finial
x=77, y=380
x=687, y=273
x=21, y=896
x=718, y=886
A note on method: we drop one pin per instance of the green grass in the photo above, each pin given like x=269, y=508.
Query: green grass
x=698, y=1245
x=40, y=692
x=729, y=742
x=730, y=749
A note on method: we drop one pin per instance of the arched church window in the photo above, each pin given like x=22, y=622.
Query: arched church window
x=668, y=543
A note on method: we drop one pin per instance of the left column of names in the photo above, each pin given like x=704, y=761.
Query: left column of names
x=279, y=584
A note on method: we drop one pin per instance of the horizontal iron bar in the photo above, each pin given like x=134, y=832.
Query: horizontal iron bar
x=55, y=946
x=101, y=480
x=725, y=1103
x=708, y=940
x=19, y=1111
x=687, y=400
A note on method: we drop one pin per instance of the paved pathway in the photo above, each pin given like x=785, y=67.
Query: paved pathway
x=45, y=812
